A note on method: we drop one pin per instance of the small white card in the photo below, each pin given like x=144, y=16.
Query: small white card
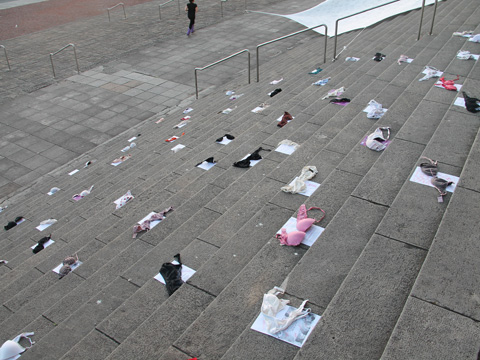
x=421, y=178
x=47, y=244
x=73, y=172
x=311, y=187
x=311, y=235
x=177, y=147
x=285, y=149
x=74, y=266
x=206, y=165
x=459, y=101
x=131, y=139
x=252, y=162
x=225, y=141
x=43, y=227
x=296, y=334
x=187, y=273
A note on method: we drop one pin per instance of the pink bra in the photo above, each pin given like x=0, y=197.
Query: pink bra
x=294, y=238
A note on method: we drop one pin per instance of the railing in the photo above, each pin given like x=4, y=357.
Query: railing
x=113, y=7
x=168, y=2
x=345, y=17
x=6, y=56
x=55, y=53
x=421, y=19
x=218, y=62
x=221, y=5
x=287, y=36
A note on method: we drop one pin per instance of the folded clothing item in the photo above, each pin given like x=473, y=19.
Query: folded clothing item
x=285, y=119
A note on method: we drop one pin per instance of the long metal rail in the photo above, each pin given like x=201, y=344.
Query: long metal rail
x=113, y=7
x=218, y=62
x=346, y=17
x=168, y=2
x=421, y=19
x=6, y=56
x=56, y=52
x=287, y=36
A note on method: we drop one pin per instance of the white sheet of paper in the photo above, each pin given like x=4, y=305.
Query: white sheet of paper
x=116, y=164
x=206, y=165
x=311, y=187
x=409, y=60
x=74, y=266
x=311, y=235
x=459, y=101
x=280, y=118
x=439, y=85
x=475, y=56
x=43, y=227
x=131, y=139
x=153, y=223
x=178, y=126
x=296, y=334
x=187, y=110
x=21, y=221
x=225, y=141
x=285, y=149
x=73, y=172
x=47, y=244
x=421, y=178
x=187, y=273
x=177, y=147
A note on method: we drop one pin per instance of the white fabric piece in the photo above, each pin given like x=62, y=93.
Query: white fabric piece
x=73, y=172
x=121, y=201
x=374, y=110
x=334, y=93
x=177, y=147
x=377, y=141
x=298, y=184
x=260, y=108
x=275, y=82
x=330, y=10
x=352, y=58
x=53, y=190
x=430, y=72
x=187, y=110
x=475, y=38
x=11, y=349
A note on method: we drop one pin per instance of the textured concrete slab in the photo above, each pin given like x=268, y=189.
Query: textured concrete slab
x=446, y=335
x=445, y=280
x=166, y=322
x=472, y=168
x=93, y=346
x=379, y=282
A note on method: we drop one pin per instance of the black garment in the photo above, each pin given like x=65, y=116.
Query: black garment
x=472, y=104
x=210, y=160
x=379, y=57
x=342, y=100
x=12, y=224
x=275, y=92
x=41, y=243
x=172, y=274
x=191, y=9
x=228, y=136
x=245, y=163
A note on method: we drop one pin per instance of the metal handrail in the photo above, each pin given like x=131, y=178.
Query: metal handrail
x=287, y=36
x=168, y=2
x=345, y=17
x=221, y=6
x=218, y=62
x=6, y=56
x=55, y=53
x=421, y=19
x=113, y=7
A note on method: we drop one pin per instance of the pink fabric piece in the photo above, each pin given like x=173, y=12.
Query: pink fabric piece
x=145, y=225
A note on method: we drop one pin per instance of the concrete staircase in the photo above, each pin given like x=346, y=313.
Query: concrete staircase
x=374, y=274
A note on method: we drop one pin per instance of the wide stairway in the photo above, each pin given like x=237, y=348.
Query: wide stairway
x=394, y=274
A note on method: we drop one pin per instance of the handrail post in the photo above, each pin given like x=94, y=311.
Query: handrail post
x=221, y=7
x=357, y=13
x=76, y=59
x=6, y=57
x=421, y=20
x=113, y=7
x=159, y=12
x=249, y=67
x=433, y=18
x=287, y=36
x=53, y=68
x=196, y=84
x=74, y=53
x=178, y=7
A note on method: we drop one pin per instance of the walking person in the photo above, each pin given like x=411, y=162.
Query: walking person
x=191, y=9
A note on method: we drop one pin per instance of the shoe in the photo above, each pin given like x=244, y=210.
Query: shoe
x=193, y=29
x=188, y=32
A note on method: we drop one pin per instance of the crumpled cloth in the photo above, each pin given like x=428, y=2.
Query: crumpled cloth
x=430, y=72
x=334, y=93
x=375, y=110
x=145, y=224
x=299, y=185
x=123, y=200
x=289, y=143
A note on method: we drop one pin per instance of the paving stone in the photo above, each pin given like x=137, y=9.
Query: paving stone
x=446, y=334
x=93, y=346
x=379, y=282
x=445, y=280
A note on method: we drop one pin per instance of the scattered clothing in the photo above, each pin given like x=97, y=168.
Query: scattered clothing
x=235, y=97
x=67, y=265
x=129, y=147
x=340, y=101
x=210, y=160
x=430, y=72
x=274, y=92
x=84, y=193
x=172, y=274
x=307, y=173
x=472, y=104
x=351, y=58
x=316, y=71
x=475, y=38
x=53, y=190
x=441, y=185
x=465, y=55
x=187, y=110
x=173, y=138
x=3, y=262
x=272, y=305
x=295, y=238
x=374, y=110
x=159, y=121
x=377, y=141
x=322, y=82
x=429, y=168
x=230, y=93
x=181, y=124
x=334, y=93
x=145, y=225
x=226, y=136
x=41, y=244
x=285, y=119
x=123, y=199
x=402, y=58
x=379, y=57
x=289, y=143
x=466, y=33
x=275, y=82
x=228, y=110
x=260, y=108
x=121, y=159
x=245, y=163
x=11, y=349
x=12, y=224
